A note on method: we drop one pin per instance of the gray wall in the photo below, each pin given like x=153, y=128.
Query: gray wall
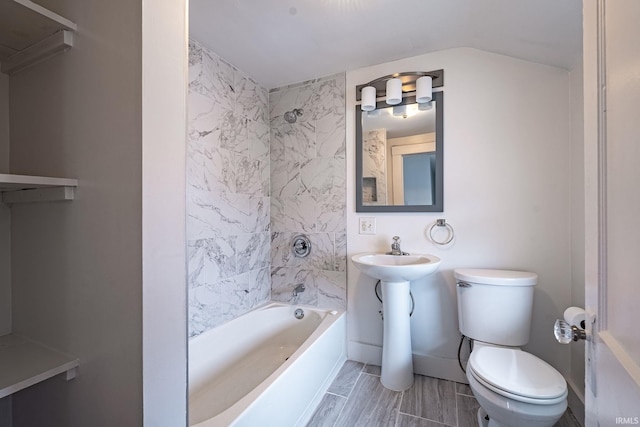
x=4, y=123
x=5, y=237
x=77, y=266
x=5, y=213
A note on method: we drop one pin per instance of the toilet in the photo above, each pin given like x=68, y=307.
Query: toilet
x=514, y=388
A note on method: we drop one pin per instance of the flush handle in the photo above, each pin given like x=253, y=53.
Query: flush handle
x=462, y=284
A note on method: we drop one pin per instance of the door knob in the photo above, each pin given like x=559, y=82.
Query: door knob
x=566, y=333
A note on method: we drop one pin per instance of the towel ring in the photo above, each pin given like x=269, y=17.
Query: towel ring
x=442, y=223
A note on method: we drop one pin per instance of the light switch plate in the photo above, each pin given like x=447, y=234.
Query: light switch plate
x=367, y=226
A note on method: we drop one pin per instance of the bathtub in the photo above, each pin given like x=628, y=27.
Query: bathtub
x=265, y=367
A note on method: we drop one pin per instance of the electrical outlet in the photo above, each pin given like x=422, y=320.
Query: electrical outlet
x=367, y=226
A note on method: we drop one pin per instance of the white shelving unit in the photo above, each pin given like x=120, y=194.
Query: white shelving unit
x=29, y=34
x=27, y=188
x=24, y=363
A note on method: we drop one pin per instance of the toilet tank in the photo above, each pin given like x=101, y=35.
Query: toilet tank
x=495, y=306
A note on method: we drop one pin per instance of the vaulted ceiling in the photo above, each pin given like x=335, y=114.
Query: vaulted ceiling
x=279, y=42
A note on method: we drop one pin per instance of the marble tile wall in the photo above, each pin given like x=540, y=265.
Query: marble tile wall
x=374, y=166
x=228, y=206
x=308, y=192
x=254, y=181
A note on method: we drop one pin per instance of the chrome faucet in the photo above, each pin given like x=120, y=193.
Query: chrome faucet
x=298, y=289
x=395, y=247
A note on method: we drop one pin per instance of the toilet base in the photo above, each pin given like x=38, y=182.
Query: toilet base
x=483, y=418
x=485, y=421
x=511, y=413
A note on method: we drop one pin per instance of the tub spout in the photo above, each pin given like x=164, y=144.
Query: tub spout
x=298, y=289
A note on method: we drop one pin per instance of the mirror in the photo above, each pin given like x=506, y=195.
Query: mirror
x=399, y=157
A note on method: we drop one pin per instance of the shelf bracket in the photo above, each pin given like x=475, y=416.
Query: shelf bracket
x=52, y=45
x=71, y=373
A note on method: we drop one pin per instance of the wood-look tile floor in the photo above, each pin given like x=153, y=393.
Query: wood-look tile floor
x=357, y=398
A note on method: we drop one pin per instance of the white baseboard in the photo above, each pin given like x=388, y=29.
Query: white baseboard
x=576, y=401
x=364, y=353
x=430, y=366
x=438, y=367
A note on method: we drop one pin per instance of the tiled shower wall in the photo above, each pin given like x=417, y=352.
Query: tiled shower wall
x=308, y=192
x=227, y=192
x=241, y=151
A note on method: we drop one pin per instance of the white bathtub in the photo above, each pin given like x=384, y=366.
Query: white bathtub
x=265, y=368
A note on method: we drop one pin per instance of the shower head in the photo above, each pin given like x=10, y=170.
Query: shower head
x=292, y=116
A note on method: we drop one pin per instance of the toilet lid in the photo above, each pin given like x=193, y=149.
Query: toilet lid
x=517, y=372
x=496, y=277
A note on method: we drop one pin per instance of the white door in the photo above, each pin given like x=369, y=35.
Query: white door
x=612, y=197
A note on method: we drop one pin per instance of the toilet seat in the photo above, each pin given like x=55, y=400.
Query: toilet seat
x=517, y=375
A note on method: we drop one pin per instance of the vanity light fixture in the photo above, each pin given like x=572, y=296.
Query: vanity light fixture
x=400, y=111
x=405, y=111
x=396, y=86
x=424, y=90
x=394, y=91
x=368, y=99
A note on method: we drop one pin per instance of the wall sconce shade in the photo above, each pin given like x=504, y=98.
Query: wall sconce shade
x=394, y=91
x=424, y=89
x=368, y=98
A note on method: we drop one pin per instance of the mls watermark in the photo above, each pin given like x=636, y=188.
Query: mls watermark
x=628, y=420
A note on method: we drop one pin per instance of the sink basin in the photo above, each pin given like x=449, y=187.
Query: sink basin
x=396, y=268
x=395, y=273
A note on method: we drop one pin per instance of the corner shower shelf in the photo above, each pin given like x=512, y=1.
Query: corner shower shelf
x=29, y=34
x=27, y=188
x=24, y=363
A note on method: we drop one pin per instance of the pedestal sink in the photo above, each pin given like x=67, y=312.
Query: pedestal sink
x=395, y=272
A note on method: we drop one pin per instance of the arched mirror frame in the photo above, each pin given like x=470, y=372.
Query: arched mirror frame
x=438, y=204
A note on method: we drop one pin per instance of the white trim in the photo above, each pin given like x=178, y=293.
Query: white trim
x=397, y=151
x=601, y=318
x=575, y=400
x=425, y=147
x=625, y=359
x=430, y=366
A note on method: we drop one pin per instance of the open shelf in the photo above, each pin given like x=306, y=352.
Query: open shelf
x=24, y=363
x=29, y=34
x=10, y=182
x=27, y=188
